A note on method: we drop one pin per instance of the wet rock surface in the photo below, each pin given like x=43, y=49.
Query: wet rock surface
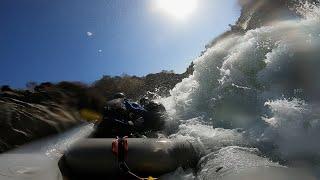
x=22, y=121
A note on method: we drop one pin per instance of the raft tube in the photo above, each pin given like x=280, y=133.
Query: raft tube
x=146, y=157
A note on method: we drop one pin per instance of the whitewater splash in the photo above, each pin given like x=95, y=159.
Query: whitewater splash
x=259, y=89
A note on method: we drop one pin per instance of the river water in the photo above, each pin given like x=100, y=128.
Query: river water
x=39, y=160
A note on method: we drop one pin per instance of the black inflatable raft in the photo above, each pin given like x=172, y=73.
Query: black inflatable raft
x=145, y=157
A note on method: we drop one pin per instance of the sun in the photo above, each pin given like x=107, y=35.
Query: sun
x=179, y=9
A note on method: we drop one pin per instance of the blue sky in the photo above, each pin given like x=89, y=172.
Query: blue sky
x=48, y=40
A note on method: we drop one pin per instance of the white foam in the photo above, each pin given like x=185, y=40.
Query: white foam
x=265, y=81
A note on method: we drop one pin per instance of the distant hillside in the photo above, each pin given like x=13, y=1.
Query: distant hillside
x=136, y=87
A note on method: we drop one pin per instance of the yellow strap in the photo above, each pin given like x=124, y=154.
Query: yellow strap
x=149, y=178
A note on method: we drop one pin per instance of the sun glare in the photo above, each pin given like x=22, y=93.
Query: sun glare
x=179, y=9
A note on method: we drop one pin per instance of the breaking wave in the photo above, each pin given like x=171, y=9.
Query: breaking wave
x=256, y=90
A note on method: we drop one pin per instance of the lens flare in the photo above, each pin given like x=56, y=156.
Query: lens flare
x=179, y=9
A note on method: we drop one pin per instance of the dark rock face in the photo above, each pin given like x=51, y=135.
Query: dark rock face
x=22, y=122
x=47, y=109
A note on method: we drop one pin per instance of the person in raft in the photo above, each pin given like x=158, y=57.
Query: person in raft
x=123, y=117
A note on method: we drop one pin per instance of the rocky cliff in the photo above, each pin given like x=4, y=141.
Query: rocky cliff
x=22, y=121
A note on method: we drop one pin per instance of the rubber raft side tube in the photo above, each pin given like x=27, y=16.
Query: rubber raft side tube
x=145, y=157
